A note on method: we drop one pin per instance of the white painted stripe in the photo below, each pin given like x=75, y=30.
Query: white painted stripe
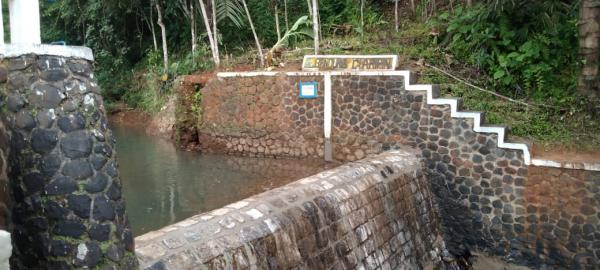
x=327, y=118
x=569, y=165
x=327, y=106
x=313, y=73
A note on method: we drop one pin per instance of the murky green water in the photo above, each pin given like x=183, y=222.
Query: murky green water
x=163, y=185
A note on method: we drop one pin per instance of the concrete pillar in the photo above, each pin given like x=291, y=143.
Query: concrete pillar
x=327, y=117
x=24, y=21
x=66, y=204
x=5, y=250
x=1, y=25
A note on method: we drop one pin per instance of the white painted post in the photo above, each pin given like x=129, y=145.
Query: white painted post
x=327, y=117
x=5, y=249
x=1, y=25
x=24, y=22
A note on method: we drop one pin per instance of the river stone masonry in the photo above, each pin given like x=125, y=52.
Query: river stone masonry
x=377, y=213
x=4, y=194
x=67, y=208
x=490, y=199
x=261, y=117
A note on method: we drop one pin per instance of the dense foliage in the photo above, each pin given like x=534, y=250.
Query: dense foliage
x=527, y=47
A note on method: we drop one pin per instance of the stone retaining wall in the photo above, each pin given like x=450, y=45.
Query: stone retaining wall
x=4, y=194
x=66, y=203
x=261, y=116
x=376, y=213
x=481, y=187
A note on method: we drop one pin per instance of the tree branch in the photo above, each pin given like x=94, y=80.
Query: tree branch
x=487, y=91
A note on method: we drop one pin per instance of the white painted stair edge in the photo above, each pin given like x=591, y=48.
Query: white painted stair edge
x=453, y=103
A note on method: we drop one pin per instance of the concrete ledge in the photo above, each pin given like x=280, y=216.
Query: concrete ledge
x=15, y=50
x=375, y=213
x=587, y=166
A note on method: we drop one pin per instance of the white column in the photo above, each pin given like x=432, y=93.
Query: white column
x=5, y=249
x=327, y=117
x=1, y=25
x=24, y=22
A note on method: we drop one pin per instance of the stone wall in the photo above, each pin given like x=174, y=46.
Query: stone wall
x=261, y=116
x=377, y=213
x=4, y=197
x=481, y=188
x=561, y=218
x=67, y=209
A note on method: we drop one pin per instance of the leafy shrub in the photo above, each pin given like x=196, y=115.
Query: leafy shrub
x=529, y=48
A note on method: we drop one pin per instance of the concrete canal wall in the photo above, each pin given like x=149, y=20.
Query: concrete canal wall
x=377, y=213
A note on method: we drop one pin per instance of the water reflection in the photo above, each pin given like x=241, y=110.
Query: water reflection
x=163, y=185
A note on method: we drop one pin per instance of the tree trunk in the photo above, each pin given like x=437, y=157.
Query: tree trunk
x=362, y=18
x=469, y=3
x=215, y=33
x=287, y=25
x=210, y=34
x=320, y=24
x=188, y=11
x=396, y=15
x=315, y=7
x=413, y=8
x=277, y=22
x=260, y=52
x=310, y=9
x=589, y=50
x=193, y=27
x=163, y=31
x=152, y=27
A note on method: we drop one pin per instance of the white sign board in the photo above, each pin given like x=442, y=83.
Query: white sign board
x=349, y=62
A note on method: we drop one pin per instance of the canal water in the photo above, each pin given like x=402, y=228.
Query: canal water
x=163, y=185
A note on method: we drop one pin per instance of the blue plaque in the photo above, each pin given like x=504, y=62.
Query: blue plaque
x=308, y=89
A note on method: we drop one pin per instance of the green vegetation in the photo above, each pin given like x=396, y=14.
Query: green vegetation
x=526, y=51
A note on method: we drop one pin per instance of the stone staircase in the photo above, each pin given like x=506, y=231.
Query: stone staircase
x=433, y=98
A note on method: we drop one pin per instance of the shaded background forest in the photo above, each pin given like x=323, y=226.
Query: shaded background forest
x=525, y=51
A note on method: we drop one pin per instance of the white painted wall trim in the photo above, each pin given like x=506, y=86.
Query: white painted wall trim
x=16, y=50
x=327, y=118
x=568, y=165
x=453, y=103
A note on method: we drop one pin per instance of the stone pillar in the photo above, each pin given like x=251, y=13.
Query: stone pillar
x=4, y=144
x=66, y=204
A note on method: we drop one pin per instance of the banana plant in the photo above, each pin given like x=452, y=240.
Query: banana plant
x=299, y=29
